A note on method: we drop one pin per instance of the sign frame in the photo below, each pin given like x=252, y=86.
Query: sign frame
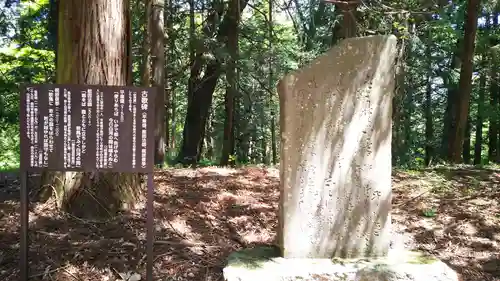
x=52, y=158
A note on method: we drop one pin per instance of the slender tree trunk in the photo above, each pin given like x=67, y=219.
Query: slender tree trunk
x=398, y=98
x=493, y=117
x=105, y=61
x=158, y=70
x=407, y=132
x=232, y=46
x=209, y=139
x=429, y=122
x=494, y=128
x=478, y=145
x=146, y=45
x=496, y=60
x=263, y=144
x=465, y=84
x=52, y=28
x=173, y=106
x=274, y=149
x=467, y=144
x=244, y=132
x=170, y=97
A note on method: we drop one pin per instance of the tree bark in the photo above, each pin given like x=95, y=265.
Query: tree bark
x=52, y=27
x=496, y=59
x=172, y=83
x=494, y=130
x=192, y=52
x=263, y=136
x=158, y=71
x=451, y=101
x=274, y=149
x=244, y=128
x=93, y=48
x=349, y=25
x=399, y=97
x=478, y=145
x=465, y=83
x=146, y=45
x=200, y=101
x=232, y=46
x=429, y=122
x=466, y=144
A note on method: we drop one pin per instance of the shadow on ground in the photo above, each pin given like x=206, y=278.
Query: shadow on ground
x=455, y=215
x=202, y=215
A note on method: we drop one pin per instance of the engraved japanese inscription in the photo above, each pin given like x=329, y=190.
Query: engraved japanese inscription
x=335, y=164
x=86, y=128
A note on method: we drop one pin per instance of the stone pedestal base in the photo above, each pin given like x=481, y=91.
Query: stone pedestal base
x=263, y=264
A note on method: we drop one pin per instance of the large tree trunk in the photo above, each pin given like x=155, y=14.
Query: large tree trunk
x=451, y=101
x=465, y=85
x=194, y=130
x=93, y=48
x=197, y=114
x=200, y=100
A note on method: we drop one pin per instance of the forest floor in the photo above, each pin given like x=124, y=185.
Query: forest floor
x=203, y=215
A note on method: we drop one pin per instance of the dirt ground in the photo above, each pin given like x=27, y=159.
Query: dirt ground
x=202, y=215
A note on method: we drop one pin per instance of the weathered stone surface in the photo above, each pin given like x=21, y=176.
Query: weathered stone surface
x=335, y=165
x=262, y=265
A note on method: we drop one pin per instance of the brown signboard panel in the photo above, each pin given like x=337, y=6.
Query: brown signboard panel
x=87, y=128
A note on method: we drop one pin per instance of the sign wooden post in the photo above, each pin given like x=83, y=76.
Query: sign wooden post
x=86, y=128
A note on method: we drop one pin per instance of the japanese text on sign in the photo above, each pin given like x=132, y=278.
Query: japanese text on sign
x=85, y=128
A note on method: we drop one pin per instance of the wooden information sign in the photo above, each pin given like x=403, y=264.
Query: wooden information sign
x=86, y=128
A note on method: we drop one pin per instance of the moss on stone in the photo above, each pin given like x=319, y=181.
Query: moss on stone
x=257, y=257
x=411, y=257
x=421, y=258
x=253, y=257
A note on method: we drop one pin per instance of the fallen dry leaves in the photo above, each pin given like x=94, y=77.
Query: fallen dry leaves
x=202, y=215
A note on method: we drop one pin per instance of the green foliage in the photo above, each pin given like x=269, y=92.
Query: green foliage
x=206, y=163
x=9, y=147
x=430, y=213
x=25, y=57
x=301, y=32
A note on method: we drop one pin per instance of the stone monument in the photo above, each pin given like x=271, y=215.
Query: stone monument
x=336, y=152
x=335, y=172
